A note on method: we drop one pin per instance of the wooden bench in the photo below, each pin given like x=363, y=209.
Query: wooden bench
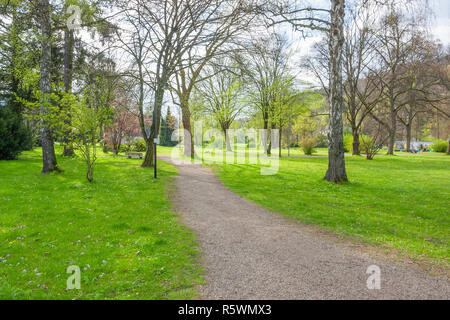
x=134, y=155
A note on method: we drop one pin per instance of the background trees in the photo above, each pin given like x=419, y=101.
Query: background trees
x=226, y=63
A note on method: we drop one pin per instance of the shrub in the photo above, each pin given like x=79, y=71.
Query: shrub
x=439, y=145
x=348, y=142
x=125, y=148
x=308, y=145
x=14, y=137
x=139, y=145
x=369, y=146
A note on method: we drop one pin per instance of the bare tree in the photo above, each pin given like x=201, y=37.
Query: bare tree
x=173, y=39
x=222, y=97
x=396, y=43
x=265, y=66
x=218, y=28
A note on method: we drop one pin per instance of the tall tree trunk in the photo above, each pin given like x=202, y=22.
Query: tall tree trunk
x=156, y=123
x=279, y=141
x=48, y=149
x=448, y=147
x=356, y=143
x=336, y=160
x=227, y=139
x=408, y=136
x=148, y=158
x=266, y=130
x=188, y=141
x=289, y=139
x=392, y=131
x=68, y=76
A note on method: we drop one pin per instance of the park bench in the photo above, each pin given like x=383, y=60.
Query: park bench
x=134, y=155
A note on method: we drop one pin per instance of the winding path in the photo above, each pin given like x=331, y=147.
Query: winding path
x=252, y=253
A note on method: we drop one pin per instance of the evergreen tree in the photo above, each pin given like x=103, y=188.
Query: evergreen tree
x=14, y=136
x=168, y=125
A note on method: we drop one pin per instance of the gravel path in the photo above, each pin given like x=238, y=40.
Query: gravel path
x=252, y=253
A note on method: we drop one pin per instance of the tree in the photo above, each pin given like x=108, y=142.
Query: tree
x=265, y=67
x=419, y=84
x=360, y=94
x=14, y=136
x=163, y=35
x=396, y=42
x=221, y=94
x=336, y=162
x=48, y=150
x=168, y=126
x=223, y=22
x=124, y=123
x=306, y=17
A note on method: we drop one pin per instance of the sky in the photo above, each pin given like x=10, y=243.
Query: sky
x=439, y=28
x=441, y=25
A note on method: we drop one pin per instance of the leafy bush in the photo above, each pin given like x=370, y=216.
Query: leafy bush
x=369, y=146
x=139, y=145
x=439, y=145
x=348, y=142
x=308, y=145
x=125, y=148
x=14, y=137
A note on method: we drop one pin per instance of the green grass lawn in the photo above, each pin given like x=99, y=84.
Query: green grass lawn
x=119, y=230
x=402, y=202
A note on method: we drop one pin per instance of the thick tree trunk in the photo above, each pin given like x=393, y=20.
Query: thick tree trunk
x=356, y=143
x=148, y=158
x=448, y=147
x=68, y=75
x=48, y=149
x=392, y=132
x=336, y=159
x=227, y=139
x=408, y=136
x=156, y=123
x=188, y=141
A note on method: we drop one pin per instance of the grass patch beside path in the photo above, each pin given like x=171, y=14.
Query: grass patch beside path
x=119, y=230
x=399, y=201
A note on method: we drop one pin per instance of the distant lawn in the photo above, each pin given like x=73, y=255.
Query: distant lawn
x=399, y=201
x=119, y=230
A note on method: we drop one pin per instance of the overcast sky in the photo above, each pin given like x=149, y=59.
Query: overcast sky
x=441, y=25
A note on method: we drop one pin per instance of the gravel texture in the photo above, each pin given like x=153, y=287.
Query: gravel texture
x=251, y=253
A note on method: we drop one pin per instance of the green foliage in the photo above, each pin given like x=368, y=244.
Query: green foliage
x=165, y=138
x=348, y=142
x=308, y=145
x=126, y=147
x=369, y=146
x=439, y=145
x=139, y=145
x=14, y=137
